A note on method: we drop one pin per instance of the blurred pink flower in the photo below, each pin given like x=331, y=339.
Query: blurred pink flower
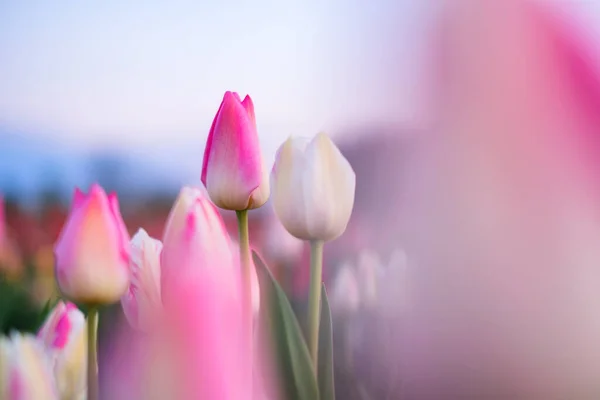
x=195, y=238
x=233, y=170
x=142, y=302
x=92, y=252
x=64, y=334
x=503, y=216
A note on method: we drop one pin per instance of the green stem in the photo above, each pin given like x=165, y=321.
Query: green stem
x=92, y=360
x=244, y=239
x=314, y=298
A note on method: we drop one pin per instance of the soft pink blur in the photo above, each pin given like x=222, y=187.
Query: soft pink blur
x=198, y=351
x=503, y=217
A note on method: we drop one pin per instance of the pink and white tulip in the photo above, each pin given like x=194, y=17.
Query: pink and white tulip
x=25, y=369
x=233, y=170
x=64, y=335
x=195, y=238
x=92, y=252
x=142, y=302
x=313, y=188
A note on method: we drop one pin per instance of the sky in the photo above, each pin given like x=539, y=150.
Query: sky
x=150, y=73
x=147, y=77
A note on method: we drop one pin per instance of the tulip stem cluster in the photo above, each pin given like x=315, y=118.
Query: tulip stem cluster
x=314, y=298
x=92, y=364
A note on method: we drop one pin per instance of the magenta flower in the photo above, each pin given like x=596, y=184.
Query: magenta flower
x=92, y=252
x=233, y=170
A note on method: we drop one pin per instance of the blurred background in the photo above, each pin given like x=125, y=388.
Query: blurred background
x=123, y=94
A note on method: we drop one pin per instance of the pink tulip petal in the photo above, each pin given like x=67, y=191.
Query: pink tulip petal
x=209, y=144
x=249, y=106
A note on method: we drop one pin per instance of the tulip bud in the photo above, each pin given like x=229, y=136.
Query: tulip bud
x=233, y=170
x=195, y=237
x=345, y=296
x=369, y=270
x=25, y=371
x=64, y=334
x=142, y=302
x=313, y=188
x=92, y=252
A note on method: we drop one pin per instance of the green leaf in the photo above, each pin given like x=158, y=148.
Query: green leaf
x=289, y=348
x=325, y=363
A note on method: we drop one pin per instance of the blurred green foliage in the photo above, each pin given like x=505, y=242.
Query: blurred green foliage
x=18, y=312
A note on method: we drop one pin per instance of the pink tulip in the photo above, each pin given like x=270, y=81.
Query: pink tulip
x=92, y=252
x=142, y=302
x=64, y=334
x=233, y=170
x=503, y=216
x=195, y=238
x=205, y=330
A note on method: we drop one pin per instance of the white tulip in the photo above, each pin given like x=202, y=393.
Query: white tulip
x=142, y=302
x=25, y=369
x=312, y=188
x=369, y=270
x=345, y=295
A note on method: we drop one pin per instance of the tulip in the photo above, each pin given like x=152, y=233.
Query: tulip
x=195, y=237
x=92, y=252
x=25, y=369
x=313, y=188
x=64, y=335
x=233, y=170
x=313, y=195
x=345, y=295
x=369, y=270
x=142, y=302
x=206, y=354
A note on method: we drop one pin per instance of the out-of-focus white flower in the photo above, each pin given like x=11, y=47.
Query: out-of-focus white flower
x=142, y=302
x=369, y=270
x=394, y=285
x=345, y=295
x=25, y=369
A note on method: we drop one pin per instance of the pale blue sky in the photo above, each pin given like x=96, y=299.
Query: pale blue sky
x=149, y=75
x=144, y=73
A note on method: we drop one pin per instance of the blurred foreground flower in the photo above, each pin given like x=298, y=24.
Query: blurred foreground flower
x=254, y=278
x=313, y=188
x=64, y=335
x=195, y=238
x=25, y=370
x=233, y=170
x=92, y=252
x=142, y=302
